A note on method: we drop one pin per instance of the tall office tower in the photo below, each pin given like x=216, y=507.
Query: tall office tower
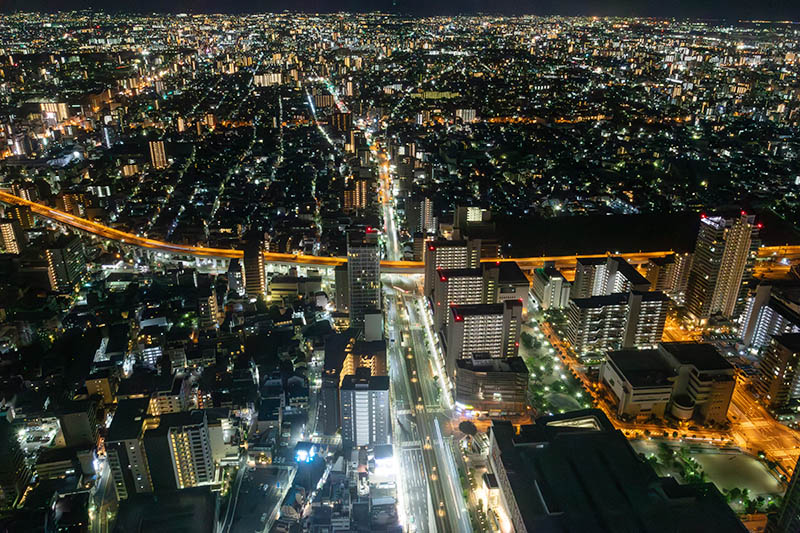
x=603, y=276
x=482, y=330
x=445, y=255
x=614, y=321
x=181, y=124
x=550, y=288
x=255, y=275
x=461, y=286
x=723, y=260
x=581, y=465
x=669, y=274
x=65, y=263
x=365, y=409
x=179, y=450
x=772, y=309
x=124, y=444
x=158, y=156
x=11, y=236
x=787, y=519
x=363, y=274
x=779, y=372
x=420, y=216
x=24, y=216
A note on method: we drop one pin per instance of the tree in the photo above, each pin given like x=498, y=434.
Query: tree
x=468, y=428
x=527, y=339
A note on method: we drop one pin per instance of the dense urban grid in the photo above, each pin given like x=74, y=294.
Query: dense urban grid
x=317, y=273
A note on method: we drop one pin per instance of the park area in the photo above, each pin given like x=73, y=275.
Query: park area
x=745, y=481
x=552, y=387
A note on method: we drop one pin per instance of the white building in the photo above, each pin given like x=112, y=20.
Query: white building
x=365, y=409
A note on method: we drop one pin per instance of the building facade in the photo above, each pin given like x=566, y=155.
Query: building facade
x=363, y=274
x=723, y=260
x=365, y=409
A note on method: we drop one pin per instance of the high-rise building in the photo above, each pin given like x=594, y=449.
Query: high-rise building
x=179, y=450
x=772, y=309
x=670, y=274
x=420, y=215
x=363, y=274
x=158, y=156
x=723, y=260
x=614, y=321
x=460, y=286
x=65, y=263
x=787, y=519
x=342, y=122
x=491, y=387
x=365, y=409
x=124, y=444
x=445, y=255
x=550, y=288
x=779, y=371
x=356, y=195
x=576, y=472
x=11, y=236
x=603, y=276
x=78, y=422
x=255, y=275
x=482, y=330
x=24, y=215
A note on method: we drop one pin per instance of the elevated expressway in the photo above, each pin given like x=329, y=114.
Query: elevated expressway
x=791, y=253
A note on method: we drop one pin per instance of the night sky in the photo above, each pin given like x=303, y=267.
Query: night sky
x=716, y=9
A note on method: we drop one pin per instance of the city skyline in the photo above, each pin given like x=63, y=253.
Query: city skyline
x=773, y=10
x=284, y=272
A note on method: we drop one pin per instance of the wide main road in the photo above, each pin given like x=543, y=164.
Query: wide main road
x=398, y=266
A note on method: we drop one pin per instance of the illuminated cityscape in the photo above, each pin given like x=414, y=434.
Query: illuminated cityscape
x=355, y=272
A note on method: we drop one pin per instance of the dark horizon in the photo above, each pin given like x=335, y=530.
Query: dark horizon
x=769, y=10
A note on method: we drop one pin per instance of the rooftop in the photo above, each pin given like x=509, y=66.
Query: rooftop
x=576, y=473
x=703, y=356
x=642, y=368
x=127, y=421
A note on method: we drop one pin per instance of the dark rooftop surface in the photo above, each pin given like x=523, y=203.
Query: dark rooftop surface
x=702, y=355
x=508, y=364
x=618, y=298
x=127, y=421
x=575, y=473
x=790, y=340
x=642, y=368
x=186, y=511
